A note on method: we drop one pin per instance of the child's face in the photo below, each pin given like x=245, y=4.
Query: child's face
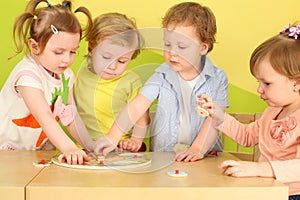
x=59, y=52
x=274, y=88
x=183, y=49
x=111, y=60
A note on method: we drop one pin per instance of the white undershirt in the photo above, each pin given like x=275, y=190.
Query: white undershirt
x=187, y=87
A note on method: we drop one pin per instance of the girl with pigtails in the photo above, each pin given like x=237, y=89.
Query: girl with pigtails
x=38, y=92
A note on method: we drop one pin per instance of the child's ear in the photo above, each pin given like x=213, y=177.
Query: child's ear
x=204, y=48
x=33, y=46
x=297, y=85
x=90, y=48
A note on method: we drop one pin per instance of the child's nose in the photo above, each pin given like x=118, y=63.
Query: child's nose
x=67, y=58
x=113, y=66
x=260, y=89
x=173, y=52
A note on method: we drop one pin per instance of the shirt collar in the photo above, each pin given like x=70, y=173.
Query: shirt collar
x=208, y=69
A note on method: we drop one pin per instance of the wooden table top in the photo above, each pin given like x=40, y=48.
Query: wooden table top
x=204, y=180
x=17, y=171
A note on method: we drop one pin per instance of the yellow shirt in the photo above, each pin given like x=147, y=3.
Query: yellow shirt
x=100, y=101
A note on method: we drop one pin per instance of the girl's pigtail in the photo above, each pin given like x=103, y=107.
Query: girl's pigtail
x=23, y=25
x=20, y=31
x=89, y=25
x=32, y=5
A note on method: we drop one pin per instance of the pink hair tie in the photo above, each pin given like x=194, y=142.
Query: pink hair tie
x=294, y=31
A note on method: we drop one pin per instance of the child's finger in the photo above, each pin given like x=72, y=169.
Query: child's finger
x=195, y=158
x=97, y=150
x=74, y=159
x=61, y=158
x=108, y=149
x=69, y=159
x=121, y=144
x=232, y=171
x=125, y=144
x=231, y=162
x=227, y=163
x=207, y=105
x=204, y=97
x=180, y=156
x=135, y=147
x=188, y=158
x=80, y=160
x=101, y=144
x=86, y=157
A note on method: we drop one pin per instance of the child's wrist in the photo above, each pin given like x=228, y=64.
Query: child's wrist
x=114, y=139
x=196, y=148
x=217, y=123
x=69, y=148
x=137, y=139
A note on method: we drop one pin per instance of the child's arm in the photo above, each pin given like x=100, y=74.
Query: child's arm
x=285, y=171
x=139, y=132
x=77, y=128
x=79, y=132
x=42, y=113
x=124, y=122
x=208, y=132
x=204, y=140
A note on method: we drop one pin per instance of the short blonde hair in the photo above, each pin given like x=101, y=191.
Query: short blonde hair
x=193, y=14
x=117, y=27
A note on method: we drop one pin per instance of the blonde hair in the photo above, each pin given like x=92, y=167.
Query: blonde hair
x=193, y=14
x=36, y=23
x=116, y=27
x=283, y=53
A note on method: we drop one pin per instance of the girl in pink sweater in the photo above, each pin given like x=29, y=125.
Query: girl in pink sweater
x=276, y=66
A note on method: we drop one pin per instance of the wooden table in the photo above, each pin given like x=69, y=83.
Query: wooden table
x=16, y=171
x=204, y=181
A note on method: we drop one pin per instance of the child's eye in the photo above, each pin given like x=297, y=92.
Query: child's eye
x=73, y=52
x=122, y=61
x=264, y=83
x=167, y=44
x=106, y=57
x=181, y=47
x=58, y=52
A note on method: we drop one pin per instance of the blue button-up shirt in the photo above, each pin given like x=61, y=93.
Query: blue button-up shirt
x=164, y=86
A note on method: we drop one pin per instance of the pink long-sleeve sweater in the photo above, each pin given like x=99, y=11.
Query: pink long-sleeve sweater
x=278, y=140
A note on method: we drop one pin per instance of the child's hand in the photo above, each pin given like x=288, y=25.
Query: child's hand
x=189, y=155
x=74, y=157
x=246, y=168
x=215, y=111
x=131, y=144
x=103, y=146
